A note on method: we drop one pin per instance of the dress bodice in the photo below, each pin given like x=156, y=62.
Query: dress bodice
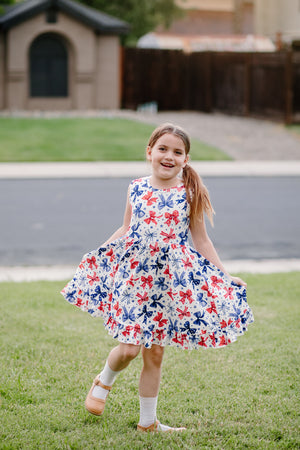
x=158, y=215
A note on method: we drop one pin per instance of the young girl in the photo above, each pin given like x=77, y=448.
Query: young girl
x=150, y=287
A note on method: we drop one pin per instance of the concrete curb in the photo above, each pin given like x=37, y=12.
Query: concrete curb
x=60, y=273
x=138, y=169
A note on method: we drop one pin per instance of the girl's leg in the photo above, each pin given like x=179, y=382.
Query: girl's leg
x=120, y=356
x=118, y=359
x=149, y=384
x=151, y=372
x=149, y=388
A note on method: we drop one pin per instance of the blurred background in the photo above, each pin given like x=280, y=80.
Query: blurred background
x=226, y=70
x=234, y=56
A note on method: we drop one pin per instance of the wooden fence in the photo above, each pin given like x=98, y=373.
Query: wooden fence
x=254, y=84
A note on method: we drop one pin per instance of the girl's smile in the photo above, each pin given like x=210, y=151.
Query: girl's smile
x=168, y=157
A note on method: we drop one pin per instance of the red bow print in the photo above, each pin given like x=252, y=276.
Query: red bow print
x=81, y=265
x=92, y=262
x=160, y=334
x=170, y=217
x=114, y=270
x=203, y=342
x=118, y=310
x=169, y=236
x=215, y=282
x=152, y=218
x=142, y=298
x=186, y=296
x=167, y=272
x=183, y=313
x=212, y=308
x=171, y=293
x=186, y=263
x=154, y=248
x=93, y=278
x=209, y=293
x=136, y=330
x=133, y=263
x=148, y=280
x=229, y=293
x=213, y=339
x=160, y=320
x=149, y=199
x=223, y=341
x=79, y=302
x=131, y=281
x=111, y=255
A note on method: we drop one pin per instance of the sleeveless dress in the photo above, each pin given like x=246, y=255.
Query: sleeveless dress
x=151, y=287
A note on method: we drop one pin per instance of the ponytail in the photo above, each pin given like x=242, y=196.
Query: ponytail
x=196, y=193
x=197, y=196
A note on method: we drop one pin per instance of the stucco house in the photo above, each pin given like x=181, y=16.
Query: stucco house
x=59, y=55
x=279, y=20
x=214, y=25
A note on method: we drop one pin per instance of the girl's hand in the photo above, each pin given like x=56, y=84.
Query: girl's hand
x=238, y=281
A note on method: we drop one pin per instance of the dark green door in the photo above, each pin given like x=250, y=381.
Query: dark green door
x=48, y=67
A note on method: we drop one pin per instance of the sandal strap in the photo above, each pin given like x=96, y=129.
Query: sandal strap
x=152, y=427
x=97, y=382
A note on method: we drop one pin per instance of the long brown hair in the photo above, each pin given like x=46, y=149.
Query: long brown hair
x=196, y=192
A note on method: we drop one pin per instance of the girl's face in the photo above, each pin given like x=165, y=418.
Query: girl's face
x=168, y=158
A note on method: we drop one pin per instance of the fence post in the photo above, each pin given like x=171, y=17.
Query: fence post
x=187, y=80
x=121, y=75
x=247, y=84
x=209, y=83
x=288, y=88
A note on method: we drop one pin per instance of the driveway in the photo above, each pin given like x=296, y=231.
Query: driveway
x=242, y=138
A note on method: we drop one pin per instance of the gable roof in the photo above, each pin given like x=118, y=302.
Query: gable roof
x=100, y=22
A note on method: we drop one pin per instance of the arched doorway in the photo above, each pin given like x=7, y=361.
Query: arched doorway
x=48, y=66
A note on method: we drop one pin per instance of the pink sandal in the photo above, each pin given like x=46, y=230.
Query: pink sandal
x=93, y=404
x=154, y=428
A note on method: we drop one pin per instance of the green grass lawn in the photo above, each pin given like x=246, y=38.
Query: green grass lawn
x=87, y=139
x=245, y=396
x=295, y=128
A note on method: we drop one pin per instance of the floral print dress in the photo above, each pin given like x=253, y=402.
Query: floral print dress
x=151, y=287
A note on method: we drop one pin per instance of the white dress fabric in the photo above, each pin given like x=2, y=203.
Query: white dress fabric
x=151, y=287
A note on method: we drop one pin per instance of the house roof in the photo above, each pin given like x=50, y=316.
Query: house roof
x=212, y=5
x=100, y=22
x=197, y=43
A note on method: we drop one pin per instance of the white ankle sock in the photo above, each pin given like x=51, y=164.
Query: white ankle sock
x=147, y=411
x=148, y=415
x=107, y=377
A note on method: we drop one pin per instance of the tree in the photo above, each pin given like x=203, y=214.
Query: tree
x=142, y=15
x=4, y=3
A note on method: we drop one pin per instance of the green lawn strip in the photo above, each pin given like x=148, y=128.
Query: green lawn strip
x=87, y=139
x=295, y=128
x=244, y=396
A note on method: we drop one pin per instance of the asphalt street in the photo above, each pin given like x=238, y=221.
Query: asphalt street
x=55, y=221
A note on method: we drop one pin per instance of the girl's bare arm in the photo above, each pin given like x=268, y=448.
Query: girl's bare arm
x=205, y=247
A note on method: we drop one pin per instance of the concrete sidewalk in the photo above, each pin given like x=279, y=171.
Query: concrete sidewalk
x=139, y=169
x=60, y=273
